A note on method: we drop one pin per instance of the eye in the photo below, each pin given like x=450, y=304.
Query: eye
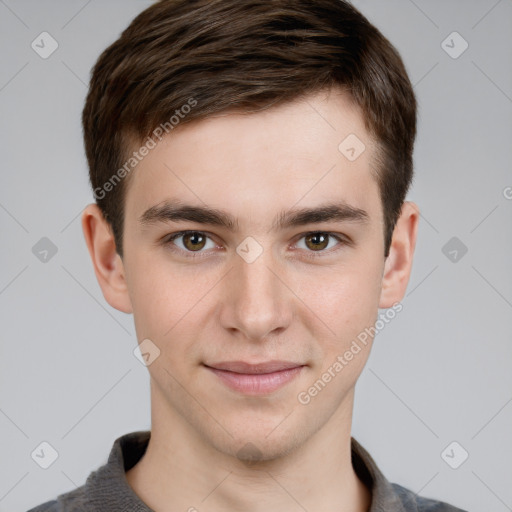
x=192, y=241
x=195, y=243
x=319, y=241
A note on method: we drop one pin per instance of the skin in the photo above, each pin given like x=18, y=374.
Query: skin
x=282, y=306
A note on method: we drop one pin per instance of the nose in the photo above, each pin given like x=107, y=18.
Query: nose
x=258, y=304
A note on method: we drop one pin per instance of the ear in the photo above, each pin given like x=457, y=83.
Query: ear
x=108, y=265
x=397, y=268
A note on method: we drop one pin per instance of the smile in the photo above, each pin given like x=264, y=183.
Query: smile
x=258, y=379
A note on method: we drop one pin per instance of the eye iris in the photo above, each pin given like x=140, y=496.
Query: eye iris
x=316, y=236
x=193, y=238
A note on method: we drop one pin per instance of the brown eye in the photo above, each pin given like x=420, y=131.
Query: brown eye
x=316, y=244
x=317, y=241
x=190, y=242
x=194, y=241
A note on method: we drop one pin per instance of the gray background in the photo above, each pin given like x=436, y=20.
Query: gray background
x=439, y=372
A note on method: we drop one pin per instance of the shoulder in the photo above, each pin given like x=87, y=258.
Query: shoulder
x=73, y=501
x=49, y=506
x=414, y=503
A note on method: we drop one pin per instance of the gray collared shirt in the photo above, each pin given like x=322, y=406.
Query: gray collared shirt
x=108, y=490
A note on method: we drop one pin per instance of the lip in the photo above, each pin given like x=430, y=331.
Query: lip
x=255, y=379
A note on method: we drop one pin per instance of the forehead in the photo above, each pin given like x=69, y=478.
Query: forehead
x=309, y=151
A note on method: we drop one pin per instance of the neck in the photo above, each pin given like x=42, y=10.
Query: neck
x=179, y=471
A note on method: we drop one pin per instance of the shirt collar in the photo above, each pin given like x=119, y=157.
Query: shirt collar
x=107, y=488
x=384, y=497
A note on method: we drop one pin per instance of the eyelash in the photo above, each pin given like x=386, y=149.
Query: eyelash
x=201, y=254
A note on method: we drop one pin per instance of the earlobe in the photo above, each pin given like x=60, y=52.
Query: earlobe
x=398, y=266
x=108, y=265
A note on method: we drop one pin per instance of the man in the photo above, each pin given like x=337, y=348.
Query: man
x=250, y=162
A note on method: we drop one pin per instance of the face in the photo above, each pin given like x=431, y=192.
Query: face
x=254, y=301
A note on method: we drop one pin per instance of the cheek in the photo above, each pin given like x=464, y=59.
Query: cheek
x=159, y=297
x=347, y=302
x=345, y=298
x=169, y=302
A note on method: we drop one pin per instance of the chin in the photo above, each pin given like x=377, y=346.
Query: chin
x=252, y=446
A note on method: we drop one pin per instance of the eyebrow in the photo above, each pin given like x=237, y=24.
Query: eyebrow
x=175, y=210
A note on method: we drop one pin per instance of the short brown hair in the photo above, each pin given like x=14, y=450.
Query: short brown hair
x=229, y=55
